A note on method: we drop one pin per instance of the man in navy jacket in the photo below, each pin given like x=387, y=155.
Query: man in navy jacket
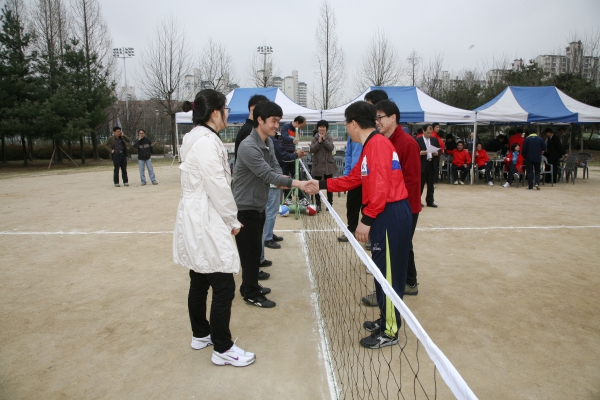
x=532, y=150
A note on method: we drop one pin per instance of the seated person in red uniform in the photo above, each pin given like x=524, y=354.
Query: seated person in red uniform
x=514, y=164
x=387, y=215
x=460, y=162
x=484, y=163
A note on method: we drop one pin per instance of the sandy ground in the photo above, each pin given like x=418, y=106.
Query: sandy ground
x=92, y=306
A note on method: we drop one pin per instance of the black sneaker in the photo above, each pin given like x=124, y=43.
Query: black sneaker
x=342, y=238
x=372, y=326
x=261, y=301
x=277, y=238
x=263, y=290
x=378, y=339
x=411, y=290
x=262, y=275
x=266, y=263
x=272, y=244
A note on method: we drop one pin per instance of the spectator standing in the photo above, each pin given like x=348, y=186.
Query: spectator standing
x=288, y=140
x=144, y=146
x=533, y=147
x=323, y=163
x=205, y=222
x=118, y=144
x=554, y=152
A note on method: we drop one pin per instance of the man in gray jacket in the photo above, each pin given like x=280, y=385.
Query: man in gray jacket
x=251, y=179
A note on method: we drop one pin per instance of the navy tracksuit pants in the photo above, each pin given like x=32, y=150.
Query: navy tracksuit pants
x=390, y=236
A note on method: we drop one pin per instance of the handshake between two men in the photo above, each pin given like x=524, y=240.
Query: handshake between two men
x=309, y=187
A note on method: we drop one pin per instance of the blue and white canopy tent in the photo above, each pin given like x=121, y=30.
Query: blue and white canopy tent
x=414, y=105
x=536, y=105
x=237, y=100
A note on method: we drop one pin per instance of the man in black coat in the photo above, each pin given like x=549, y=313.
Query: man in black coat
x=144, y=146
x=554, y=152
x=532, y=150
x=429, y=163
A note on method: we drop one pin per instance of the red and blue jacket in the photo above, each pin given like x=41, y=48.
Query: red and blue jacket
x=379, y=172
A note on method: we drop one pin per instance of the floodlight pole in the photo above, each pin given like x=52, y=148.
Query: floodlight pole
x=124, y=53
x=265, y=50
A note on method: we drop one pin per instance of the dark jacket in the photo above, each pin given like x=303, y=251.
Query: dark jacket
x=288, y=133
x=435, y=159
x=283, y=157
x=555, y=149
x=110, y=143
x=243, y=134
x=495, y=145
x=532, y=148
x=144, y=147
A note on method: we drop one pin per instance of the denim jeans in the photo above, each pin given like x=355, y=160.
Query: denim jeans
x=271, y=213
x=141, y=164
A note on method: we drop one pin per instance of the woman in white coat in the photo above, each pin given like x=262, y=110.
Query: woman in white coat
x=204, y=228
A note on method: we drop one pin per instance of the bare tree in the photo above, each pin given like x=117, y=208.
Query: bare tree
x=330, y=61
x=380, y=65
x=583, y=55
x=216, y=70
x=164, y=66
x=50, y=23
x=414, y=59
x=90, y=28
x=432, y=79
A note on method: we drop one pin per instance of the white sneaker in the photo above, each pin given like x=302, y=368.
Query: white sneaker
x=506, y=184
x=234, y=356
x=490, y=183
x=456, y=182
x=516, y=176
x=200, y=343
x=461, y=182
x=537, y=187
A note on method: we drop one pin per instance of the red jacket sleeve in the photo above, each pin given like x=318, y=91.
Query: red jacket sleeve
x=348, y=182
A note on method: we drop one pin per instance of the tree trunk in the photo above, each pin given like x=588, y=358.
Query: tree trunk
x=82, y=149
x=24, y=147
x=69, y=147
x=30, y=147
x=95, y=146
x=175, y=139
x=59, y=155
x=3, y=150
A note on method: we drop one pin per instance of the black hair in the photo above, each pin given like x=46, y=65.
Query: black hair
x=511, y=133
x=449, y=136
x=323, y=123
x=435, y=124
x=548, y=130
x=514, y=146
x=427, y=126
x=299, y=119
x=389, y=108
x=254, y=100
x=363, y=113
x=460, y=142
x=143, y=130
x=419, y=131
x=116, y=128
x=206, y=101
x=375, y=96
x=264, y=110
x=519, y=131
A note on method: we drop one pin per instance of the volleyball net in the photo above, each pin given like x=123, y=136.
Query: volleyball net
x=414, y=367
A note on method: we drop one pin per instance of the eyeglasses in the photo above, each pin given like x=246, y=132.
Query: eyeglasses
x=379, y=117
x=227, y=109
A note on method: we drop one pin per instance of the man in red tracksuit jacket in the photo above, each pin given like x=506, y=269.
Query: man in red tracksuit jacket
x=387, y=216
x=460, y=162
x=409, y=153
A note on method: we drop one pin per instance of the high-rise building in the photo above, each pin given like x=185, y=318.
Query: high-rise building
x=293, y=89
x=573, y=61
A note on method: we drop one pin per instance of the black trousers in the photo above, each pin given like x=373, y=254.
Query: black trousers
x=329, y=194
x=223, y=292
x=529, y=168
x=290, y=170
x=427, y=178
x=120, y=161
x=555, y=171
x=463, y=172
x=249, y=244
x=411, y=273
x=353, y=206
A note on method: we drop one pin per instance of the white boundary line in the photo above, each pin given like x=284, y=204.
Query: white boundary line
x=333, y=388
x=483, y=228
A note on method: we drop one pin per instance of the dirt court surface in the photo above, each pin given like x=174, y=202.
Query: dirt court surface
x=92, y=306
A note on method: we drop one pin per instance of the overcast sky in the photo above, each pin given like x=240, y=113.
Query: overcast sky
x=496, y=29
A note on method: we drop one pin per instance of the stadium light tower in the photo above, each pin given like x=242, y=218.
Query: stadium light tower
x=265, y=50
x=124, y=53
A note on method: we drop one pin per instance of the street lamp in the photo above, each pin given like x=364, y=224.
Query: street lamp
x=124, y=53
x=265, y=50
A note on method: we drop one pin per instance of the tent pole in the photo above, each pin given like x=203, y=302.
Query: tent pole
x=570, y=138
x=176, y=144
x=473, y=151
